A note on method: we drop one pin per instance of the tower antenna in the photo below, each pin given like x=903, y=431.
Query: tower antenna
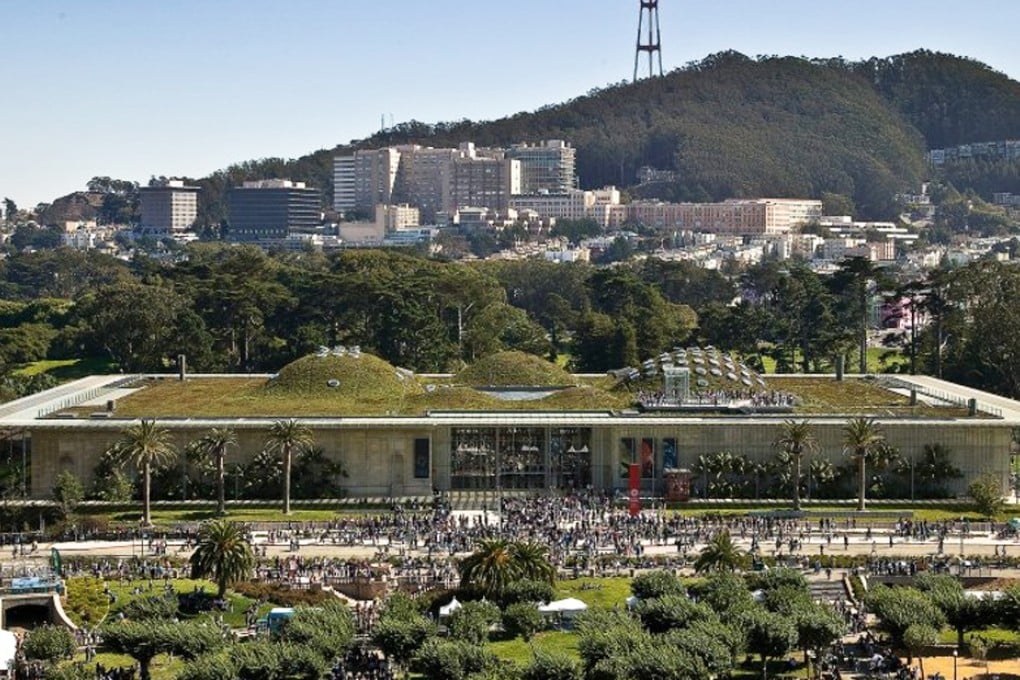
x=652, y=44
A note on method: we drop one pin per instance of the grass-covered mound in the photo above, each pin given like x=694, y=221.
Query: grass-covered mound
x=364, y=377
x=584, y=398
x=448, y=398
x=506, y=369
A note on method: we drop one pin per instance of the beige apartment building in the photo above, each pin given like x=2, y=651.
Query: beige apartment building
x=750, y=217
x=486, y=182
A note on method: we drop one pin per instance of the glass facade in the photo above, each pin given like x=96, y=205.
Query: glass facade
x=520, y=458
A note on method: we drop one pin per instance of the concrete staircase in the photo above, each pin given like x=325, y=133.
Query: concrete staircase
x=823, y=589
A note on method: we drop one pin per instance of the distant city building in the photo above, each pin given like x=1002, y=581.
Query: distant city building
x=1007, y=149
x=71, y=226
x=388, y=219
x=561, y=255
x=1006, y=198
x=272, y=209
x=479, y=181
x=546, y=166
x=394, y=217
x=750, y=217
x=344, y=184
x=441, y=180
x=574, y=204
x=168, y=209
x=646, y=174
x=423, y=178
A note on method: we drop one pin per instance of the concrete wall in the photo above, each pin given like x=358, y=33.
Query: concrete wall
x=378, y=462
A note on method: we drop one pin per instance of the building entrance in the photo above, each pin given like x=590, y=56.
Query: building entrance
x=528, y=458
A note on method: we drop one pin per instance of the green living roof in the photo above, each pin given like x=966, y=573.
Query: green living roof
x=364, y=385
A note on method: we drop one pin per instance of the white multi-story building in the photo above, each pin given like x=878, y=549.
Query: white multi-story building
x=364, y=180
x=394, y=217
x=168, y=209
x=547, y=166
x=575, y=204
x=345, y=196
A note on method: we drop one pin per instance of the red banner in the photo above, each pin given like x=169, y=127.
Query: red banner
x=635, y=489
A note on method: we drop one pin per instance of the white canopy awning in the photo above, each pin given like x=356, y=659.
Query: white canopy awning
x=447, y=610
x=8, y=649
x=570, y=605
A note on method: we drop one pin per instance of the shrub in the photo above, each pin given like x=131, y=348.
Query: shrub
x=86, y=603
x=522, y=619
x=526, y=591
x=49, y=643
x=68, y=492
x=151, y=608
x=655, y=584
x=280, y=594
x=472, y=621
x=451, y=659
x=987, y=495
x=547, y=666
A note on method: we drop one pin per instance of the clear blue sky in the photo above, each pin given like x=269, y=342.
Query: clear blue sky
x=134, y=88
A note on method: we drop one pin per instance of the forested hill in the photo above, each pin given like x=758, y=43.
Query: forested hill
x=730, y=126
x=733, y=126
x=951, y=100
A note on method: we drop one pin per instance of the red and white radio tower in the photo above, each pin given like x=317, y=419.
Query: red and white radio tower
x=652, y=45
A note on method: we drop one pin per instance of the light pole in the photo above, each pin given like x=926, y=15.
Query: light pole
x=961, y=551
x=956, y=656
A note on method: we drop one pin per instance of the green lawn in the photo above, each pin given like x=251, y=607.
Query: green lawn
x=596, y=592
x=521, y=652
x=875, y=362
x=167, y=517
x=124, y=593
x=996, y=636
x=66, y=369
x=123, y=590
x=162, y=668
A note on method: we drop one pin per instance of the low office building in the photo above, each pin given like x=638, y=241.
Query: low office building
x=272, y=209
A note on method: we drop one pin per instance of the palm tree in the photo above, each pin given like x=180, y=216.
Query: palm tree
x=490, y=568
x=222, y=554
x=720, y=554
x=532, y=561
x=795, y=440
x=861, y=436
x=215, y=444
x=284, y=437
x=144, y=445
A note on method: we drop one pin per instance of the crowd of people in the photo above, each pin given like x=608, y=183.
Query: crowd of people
x=363, y=664
x=715, y=398
x=416, y=547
